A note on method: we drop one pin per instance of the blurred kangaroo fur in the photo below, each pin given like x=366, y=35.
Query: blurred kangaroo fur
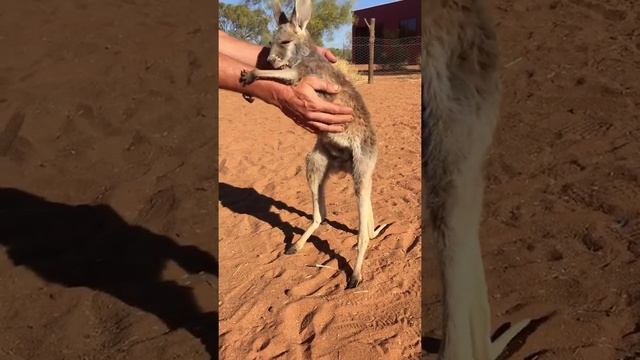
x=460, y=105
x=293, y=57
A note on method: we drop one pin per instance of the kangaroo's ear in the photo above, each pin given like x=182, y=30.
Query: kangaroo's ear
x=281, y=17
x=301, y=14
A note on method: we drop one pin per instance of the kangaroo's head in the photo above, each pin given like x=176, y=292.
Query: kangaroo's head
x=290, y=42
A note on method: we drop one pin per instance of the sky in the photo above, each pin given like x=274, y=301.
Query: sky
x=340, y=35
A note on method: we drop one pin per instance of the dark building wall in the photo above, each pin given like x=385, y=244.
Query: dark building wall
x=388, y=18
x=395, y=20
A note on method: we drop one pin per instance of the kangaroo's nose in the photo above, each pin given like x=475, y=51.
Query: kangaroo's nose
x=271, y=58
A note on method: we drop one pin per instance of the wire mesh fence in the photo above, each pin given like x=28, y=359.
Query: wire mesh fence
x=395, y=55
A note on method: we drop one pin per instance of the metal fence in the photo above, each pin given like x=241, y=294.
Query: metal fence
x=390, y=55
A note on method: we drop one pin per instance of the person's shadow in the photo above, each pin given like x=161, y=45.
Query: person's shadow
x=92, y=246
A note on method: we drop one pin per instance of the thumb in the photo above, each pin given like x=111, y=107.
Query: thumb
x=329, y=55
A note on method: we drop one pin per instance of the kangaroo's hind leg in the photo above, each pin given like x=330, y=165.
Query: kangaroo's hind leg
x=363, y=166
x=455, y=200
x=453, y=169
x=318, y=164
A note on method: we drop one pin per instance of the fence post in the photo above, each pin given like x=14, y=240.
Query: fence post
x=372, y=41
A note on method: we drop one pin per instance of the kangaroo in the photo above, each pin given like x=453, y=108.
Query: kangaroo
x=293, y=57
x=460, y=104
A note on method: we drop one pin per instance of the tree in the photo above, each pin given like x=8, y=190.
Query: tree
x=244, y=22
x=347, y=46
x=327, y=15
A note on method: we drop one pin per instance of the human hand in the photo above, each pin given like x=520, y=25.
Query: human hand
x=302, y=104
x=327, y=54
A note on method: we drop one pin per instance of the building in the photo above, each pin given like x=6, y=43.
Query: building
x=397, y=33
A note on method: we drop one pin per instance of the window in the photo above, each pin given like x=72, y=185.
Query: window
x=408, y=28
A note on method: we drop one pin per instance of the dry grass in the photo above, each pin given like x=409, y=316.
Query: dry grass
x=350, y=71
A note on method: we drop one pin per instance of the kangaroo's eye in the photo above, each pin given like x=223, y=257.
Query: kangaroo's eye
x=285, y=42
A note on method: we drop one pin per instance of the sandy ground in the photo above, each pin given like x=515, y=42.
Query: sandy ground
x=276, y=306
x=107, y=172
x=562, y=229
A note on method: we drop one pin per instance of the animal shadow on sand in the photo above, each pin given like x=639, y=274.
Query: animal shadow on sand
x=92, y=246
x=250, y=202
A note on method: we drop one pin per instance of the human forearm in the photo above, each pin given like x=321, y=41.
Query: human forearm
x=229, y=79
x=242, y=51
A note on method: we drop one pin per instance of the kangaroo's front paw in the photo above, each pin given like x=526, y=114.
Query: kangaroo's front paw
x=247, y=77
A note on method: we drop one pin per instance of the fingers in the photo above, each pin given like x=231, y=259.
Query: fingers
x=331, y=108
x=329, y=55
x=317, y=104
x=327, y=128
x=307, y=128
x=302, y=122
x=315, y=127
x=328, y=119
x=321, y=85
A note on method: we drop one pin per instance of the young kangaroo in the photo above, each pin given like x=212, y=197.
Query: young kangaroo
x=353, y=150
x=459, y=110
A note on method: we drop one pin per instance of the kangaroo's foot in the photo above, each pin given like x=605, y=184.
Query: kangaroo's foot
x=354, y=281
x=498, y=346
x=379, y=230
x=291, y=249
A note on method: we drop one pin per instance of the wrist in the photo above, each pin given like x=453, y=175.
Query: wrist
x=280, y=94
x=271, y=92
